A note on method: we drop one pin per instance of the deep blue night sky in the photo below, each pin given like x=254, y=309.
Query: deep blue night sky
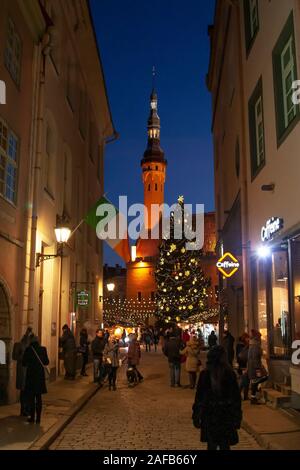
x=133, y=35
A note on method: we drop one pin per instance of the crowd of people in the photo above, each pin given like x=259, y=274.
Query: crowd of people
x=219, y=388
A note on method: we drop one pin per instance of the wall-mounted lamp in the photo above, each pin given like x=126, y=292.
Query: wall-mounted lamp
x=62, y=234
x=268, y=187
x=297, y=297
x=263, y=251
x=110, y=286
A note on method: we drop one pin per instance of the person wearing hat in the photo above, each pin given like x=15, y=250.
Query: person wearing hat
x=68, y=345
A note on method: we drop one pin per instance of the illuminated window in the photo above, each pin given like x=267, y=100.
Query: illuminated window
x=139, y=296
x=9, y=146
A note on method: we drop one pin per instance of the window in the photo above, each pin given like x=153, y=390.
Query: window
x=256, y=130
x=285, y=73
x=251, y=22
x=281, y=333
x=152, y=296
x=155, y=186
x=9, y=147
x=139, y=296
x=149, y=187
x=13, y=52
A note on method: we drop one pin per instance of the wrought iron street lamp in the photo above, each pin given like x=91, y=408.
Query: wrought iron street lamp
x=62, y=234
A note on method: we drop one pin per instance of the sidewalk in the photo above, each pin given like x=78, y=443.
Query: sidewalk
x=273, y=429
x=62, y=401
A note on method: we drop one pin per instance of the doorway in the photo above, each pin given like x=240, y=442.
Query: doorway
x=5, y=336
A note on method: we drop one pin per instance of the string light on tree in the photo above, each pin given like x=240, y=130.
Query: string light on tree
x=181, y=284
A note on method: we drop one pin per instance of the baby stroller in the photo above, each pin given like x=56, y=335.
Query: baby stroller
x=132, y=376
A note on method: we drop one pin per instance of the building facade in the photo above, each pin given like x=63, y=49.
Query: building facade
x=255, y=57
x=58, y=111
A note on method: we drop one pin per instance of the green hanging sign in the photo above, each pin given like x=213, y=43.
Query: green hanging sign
x=83, y=298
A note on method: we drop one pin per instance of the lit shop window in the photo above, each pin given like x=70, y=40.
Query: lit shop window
x=281, y=336
x=9, y=147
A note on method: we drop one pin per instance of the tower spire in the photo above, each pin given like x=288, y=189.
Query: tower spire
x=153, y=163
x=153, y=151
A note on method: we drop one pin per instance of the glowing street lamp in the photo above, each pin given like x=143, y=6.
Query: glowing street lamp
x=110, y=286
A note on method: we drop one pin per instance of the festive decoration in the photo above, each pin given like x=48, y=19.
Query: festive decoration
x=129, y=312
x=182, y=289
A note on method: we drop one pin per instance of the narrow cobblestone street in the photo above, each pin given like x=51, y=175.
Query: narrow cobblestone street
x=149, y=416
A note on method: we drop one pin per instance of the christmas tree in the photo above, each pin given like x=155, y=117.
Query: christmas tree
x=182, y=289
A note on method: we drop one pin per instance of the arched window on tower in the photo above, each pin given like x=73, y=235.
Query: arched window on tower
x=155, y=186
x=149, y=187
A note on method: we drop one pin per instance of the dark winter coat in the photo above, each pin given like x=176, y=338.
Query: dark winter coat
x=172, y=349
x=212, y=340
x=17, y=355
x=242, y=355
x=35, y=382
x=67, y=342
x=219, y=415
x=254, y=358
x=97, y=346
x=84, y=344
x=134, y=353
x=228, y=345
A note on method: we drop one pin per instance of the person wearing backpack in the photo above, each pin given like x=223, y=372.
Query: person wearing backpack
x=35, y=360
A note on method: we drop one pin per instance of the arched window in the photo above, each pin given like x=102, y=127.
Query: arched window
x=149, y=187
x=155, y=186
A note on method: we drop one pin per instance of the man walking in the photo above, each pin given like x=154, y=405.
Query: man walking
x=68, y=345
x=97, y=347
x=172, y=351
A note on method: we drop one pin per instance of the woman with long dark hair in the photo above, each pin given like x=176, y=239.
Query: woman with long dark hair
x=217, y=407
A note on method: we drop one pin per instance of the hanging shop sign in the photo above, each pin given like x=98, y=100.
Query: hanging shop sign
x=273, y=226
x=228, y=265
x=83, y=298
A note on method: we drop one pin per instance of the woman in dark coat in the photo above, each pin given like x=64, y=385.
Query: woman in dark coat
x=84, y=350
x=217, y=407
x=34, y=359
x=17, y=355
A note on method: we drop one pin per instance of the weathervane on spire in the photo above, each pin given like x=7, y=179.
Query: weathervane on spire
x=153, y=76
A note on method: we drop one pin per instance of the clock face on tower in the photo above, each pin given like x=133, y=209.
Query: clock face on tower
x=153, y=105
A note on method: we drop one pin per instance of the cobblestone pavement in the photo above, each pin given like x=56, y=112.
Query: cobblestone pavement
x=151, y=415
